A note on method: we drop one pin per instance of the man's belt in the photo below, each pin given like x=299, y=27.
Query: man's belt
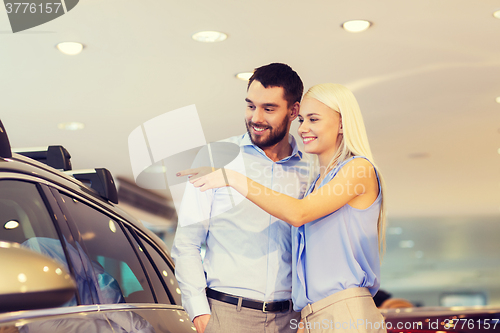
x=246, y=303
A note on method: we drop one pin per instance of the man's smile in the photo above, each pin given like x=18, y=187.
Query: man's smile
x=259, y=129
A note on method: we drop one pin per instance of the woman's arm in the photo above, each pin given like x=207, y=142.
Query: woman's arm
x=356, y=178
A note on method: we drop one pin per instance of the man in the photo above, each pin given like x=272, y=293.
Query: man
x=247, y=266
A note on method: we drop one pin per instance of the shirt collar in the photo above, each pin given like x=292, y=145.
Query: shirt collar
x=246, y=141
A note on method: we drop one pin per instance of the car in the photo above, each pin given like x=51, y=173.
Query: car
x=115, y=275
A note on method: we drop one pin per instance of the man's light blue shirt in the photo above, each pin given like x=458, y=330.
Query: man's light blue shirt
x=248, y=251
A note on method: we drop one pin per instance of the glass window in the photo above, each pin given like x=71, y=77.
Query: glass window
x=24, y=219
x=159, y=287
x=166, y=273
x=23, y=213
x=118, y=274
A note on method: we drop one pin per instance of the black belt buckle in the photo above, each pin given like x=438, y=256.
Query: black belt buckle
x=289, y=306
x=278, y=306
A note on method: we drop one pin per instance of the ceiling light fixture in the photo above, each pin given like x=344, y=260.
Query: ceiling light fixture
x=209, y=36
x=71, y=126
x=11, y=225
x=497, y=14
x=356, y=25
x=156, y=169
x=498, y=99
x=245, y=76
x=70, y=48
x=395, y=230
x=418, y=155
x=406, y=244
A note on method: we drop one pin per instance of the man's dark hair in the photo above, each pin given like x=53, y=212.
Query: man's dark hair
x=280, y=75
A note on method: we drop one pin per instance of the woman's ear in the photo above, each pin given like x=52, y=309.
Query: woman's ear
x=341, y=130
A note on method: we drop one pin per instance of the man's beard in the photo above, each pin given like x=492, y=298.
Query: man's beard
x=274, y=136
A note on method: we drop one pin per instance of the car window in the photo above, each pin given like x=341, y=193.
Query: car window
x=159, y=288
x=24, y=219
x=117, y=270
x=165, y=272
x=23, y=213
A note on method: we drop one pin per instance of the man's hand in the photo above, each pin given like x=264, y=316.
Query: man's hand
x=200, y=322
x=301, y=326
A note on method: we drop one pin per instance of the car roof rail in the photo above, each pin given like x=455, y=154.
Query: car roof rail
x=5, y=150
x=99, y=179
x=53, y=156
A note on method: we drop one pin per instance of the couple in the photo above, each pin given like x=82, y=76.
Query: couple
x=325, y=242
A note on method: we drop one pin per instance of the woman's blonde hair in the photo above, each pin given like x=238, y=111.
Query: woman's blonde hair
x=354, y=141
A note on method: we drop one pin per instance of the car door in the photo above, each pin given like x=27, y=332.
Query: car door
x=131, y=289
x=27, y=218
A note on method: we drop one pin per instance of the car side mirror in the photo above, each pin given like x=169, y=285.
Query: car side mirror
x=30, y=280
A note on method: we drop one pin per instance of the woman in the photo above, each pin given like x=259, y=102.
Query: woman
x=338, y=227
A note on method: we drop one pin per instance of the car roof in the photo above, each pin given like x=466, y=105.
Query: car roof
x=24, y=165
x=20, y=164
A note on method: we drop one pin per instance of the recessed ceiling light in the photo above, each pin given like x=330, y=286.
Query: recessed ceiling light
x=209, y=36
x=406, y=244
x=418, y=155
x=71, y=126
x=498, y=99
x=156, y=169
x=70, y=48
x=11, y=225
x=6, y=245
x=395, y=230
x=497, y=14
x=245, y=76
x=356, y=25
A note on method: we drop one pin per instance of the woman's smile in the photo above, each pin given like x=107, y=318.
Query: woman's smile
x=308, y=139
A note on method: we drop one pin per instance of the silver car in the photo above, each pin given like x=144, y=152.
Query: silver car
x=71, y=260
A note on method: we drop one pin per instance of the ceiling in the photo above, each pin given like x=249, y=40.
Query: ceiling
x=426, y=76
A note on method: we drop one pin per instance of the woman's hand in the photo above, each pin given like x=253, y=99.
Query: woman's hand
x=205, y=178
x=196, y=172
x=212, y=180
